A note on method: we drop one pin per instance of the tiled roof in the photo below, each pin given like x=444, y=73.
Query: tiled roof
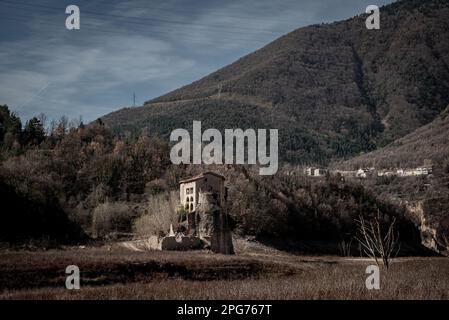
x=201, y=176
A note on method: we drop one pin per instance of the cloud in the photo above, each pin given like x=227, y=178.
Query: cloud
x=135, y=46
x=74, y=73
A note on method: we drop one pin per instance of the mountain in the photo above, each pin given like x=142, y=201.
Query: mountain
x=429, y=142
x=425, y=197
x=333, y=90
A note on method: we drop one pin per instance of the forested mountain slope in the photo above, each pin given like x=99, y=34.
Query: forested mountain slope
x=332, y=90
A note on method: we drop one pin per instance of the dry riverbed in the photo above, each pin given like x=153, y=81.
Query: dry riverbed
x=112, y=272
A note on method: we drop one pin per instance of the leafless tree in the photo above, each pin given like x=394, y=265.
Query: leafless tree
x=42, y=118
x=377, y=241
x=63, y=124
x=161, y=213
x=345, y=248
x=75, y=123
x=53, y=126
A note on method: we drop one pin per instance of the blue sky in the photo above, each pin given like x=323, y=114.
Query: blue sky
x=143, y=46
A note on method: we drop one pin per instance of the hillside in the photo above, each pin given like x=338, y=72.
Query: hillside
x=378, y=85
x=430, y=142
x=425, y=197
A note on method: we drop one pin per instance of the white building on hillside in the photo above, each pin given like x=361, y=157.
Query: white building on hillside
x=315, y=172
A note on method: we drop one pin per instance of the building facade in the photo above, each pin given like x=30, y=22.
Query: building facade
x=207, y=182
x=315, y=172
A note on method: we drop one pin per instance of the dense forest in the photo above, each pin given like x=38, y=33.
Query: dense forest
x=429, y=142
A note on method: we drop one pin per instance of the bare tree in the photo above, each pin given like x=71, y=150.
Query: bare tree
x=377, y=241
x=42, y=118
x=63, y=124
x=345, y=248
x=75, y=123
x=53, y=126
x=161, y=213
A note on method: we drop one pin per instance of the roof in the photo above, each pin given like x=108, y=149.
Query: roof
x=201, y=176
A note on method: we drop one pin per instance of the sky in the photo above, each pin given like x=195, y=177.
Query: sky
x=145, y=47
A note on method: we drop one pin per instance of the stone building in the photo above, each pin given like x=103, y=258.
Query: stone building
x=204, y=197
x=206, y=224
x=207, y=182
x=212, y=225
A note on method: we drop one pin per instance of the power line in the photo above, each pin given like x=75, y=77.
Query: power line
x=173, y=33
x=93, y=27
x=14, y=4
x=170, y=10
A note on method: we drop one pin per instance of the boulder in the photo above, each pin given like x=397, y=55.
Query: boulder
x=181, y=243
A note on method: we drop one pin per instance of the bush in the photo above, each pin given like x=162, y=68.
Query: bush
x=111, y=217
x=182, y=213
x=34, y=215
x=161, y=212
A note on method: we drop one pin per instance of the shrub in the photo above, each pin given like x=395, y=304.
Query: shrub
x=111, y=217
x=161, y=212
x=182, y=213
x=34, y=215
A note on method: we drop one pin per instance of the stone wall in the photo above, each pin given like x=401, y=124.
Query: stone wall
x=212, y=224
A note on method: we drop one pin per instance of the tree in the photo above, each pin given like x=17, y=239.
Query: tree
x=377, y=240
x=10, y=128
x=34, y=132
x=42, y=118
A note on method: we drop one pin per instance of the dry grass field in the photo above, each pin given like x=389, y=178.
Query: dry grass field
x=115, y=273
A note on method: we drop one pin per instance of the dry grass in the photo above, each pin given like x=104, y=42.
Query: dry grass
x=119, y=274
